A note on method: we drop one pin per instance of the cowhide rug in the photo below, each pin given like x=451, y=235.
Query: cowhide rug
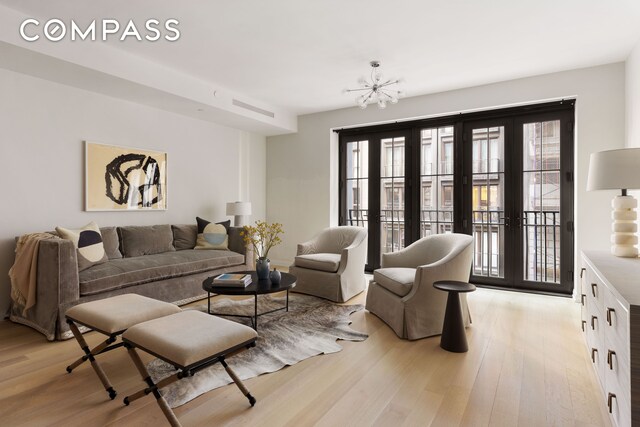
x=310, y=327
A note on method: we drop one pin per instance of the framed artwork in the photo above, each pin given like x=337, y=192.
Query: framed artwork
x=124, y=179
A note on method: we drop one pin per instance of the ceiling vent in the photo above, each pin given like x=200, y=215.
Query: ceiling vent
x=253, y=108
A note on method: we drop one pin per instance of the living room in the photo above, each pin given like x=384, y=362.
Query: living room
x=245, y=102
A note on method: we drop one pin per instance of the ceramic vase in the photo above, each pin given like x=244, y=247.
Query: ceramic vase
x=263, y=265
x=275, y=277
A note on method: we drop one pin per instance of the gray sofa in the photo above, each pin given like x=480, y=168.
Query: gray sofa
x=154, y=261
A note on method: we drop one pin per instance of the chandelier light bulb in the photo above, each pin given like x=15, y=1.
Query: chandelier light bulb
x=376, y=89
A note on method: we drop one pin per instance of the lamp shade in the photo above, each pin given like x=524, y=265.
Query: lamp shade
x=239, y=208
x=614, y=170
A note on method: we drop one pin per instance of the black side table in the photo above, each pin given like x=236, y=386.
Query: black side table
x=453, y=337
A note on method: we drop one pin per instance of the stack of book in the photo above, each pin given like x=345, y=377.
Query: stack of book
x=232, y=280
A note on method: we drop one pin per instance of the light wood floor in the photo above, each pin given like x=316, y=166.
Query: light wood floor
x=527, y=365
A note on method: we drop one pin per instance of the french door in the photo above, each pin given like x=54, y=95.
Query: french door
x=519, y=201
x=504, y=177
x=375, y=189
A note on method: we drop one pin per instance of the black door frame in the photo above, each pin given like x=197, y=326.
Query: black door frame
x=462, y=188
x=373, y=219
x=466, y=201
x=566, y=119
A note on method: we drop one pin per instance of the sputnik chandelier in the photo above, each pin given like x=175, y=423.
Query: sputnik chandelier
x=377, y=89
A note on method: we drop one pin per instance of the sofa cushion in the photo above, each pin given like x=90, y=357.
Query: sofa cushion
x=322, y=262
x=88, y=243
x=145, y=240
x=397, y=280
x=111, y=242
x=184, y=236
x=212, y=236
x=121, y=273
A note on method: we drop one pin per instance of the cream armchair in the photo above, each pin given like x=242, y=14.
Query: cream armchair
x=331, y=265
x=402, y=293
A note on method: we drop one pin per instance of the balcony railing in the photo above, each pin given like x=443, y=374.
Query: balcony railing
x=541, y=234
x=446, y=168
x=542, y=245
x=358, y=217
x=484, y=166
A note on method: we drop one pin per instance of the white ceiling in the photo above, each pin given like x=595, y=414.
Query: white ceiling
x=299, y=54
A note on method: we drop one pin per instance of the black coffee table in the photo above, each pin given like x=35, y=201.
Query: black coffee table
x=257, y=287
x=453, y=337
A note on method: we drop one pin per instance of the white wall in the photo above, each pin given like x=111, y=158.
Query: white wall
x=42, y=128
x=632, y=89
x=632, y=75
x=302, y=172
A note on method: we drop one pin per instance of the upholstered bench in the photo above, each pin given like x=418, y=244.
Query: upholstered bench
x=190, y=341
x=111, y=317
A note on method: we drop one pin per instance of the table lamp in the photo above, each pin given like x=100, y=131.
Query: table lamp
x=618, y=170
x=240, y=212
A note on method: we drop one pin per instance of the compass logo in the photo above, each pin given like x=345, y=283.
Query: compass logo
x=55, y=30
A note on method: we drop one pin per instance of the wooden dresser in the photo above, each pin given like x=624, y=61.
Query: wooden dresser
x=610, y=298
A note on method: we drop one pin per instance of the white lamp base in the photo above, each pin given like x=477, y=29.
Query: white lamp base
x=624, y=238
x=240, y=220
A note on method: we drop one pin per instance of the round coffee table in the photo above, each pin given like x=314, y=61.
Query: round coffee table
x=257, y=287
x=453, y=337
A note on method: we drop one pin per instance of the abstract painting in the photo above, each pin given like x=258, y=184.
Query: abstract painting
x=121, y=178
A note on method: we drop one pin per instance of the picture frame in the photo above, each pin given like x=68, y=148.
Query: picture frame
x=121, y=178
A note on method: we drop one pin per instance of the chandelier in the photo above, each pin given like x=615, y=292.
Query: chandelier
x=376, y=89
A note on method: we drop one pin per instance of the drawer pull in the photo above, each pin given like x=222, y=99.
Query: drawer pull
x=610, y=355
x=593, y=354
x=583, y=297
x=610, y=398
x=593, y=322
x=582, y=270
x=584, y=324
x=609, y=311
x=594, y=286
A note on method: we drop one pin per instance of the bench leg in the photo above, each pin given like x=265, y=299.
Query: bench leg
x=89, y=355
x=153, y=388
x=234, y=377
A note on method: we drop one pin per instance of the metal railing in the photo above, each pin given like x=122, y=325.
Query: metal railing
x=542, y=245
x=541, y=234
x=486, y=165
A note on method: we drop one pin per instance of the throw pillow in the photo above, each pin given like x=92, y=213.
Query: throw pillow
x=88, y=242
x=184, y=236
x=212, y=235
x=111, y=242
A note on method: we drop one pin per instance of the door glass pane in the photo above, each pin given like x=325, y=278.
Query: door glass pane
x=392, y=194
x=541, y=201
x=488, y=216
x=436, y=180
x=357, y=183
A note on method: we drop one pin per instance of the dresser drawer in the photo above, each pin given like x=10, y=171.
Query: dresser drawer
x=616, y=322
x=594, y=288
x=597, y=354
x=617, y=401
x=617, y=366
